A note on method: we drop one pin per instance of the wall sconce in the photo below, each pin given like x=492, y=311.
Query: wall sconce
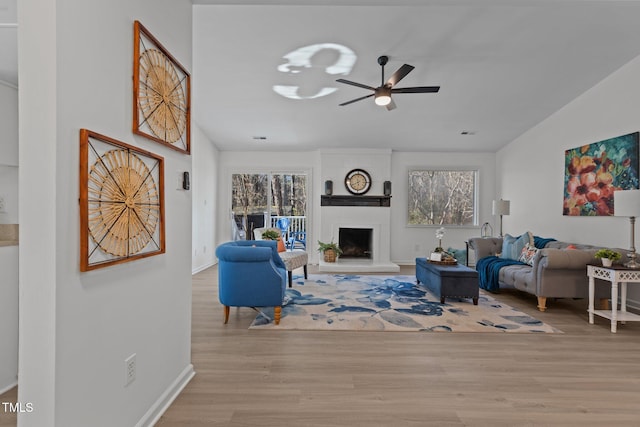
x=328, y=187
x=387, y=188
x=501, y=207
x=627, y=203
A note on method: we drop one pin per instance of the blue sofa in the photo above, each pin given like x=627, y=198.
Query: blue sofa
x=251, y=274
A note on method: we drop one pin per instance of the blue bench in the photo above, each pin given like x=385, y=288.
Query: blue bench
x=448, y=281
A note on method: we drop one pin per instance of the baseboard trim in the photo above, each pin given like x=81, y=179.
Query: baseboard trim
x=202, y=267
x=162, y=404
x=8, y=387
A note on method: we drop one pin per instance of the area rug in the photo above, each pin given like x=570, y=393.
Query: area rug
x=390, y=303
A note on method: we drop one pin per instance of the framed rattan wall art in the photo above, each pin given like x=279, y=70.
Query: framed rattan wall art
x=161, y=93
x=121, y=202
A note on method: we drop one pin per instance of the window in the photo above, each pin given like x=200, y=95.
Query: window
x=259, y=200
x=442, y=197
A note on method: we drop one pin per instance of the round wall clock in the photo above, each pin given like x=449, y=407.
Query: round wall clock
x=357, y=181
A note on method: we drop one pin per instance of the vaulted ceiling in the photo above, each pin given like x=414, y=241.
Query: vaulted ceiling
x=503, y=66
x=264, y=71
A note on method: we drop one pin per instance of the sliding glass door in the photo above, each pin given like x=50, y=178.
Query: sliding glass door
x=262, y=199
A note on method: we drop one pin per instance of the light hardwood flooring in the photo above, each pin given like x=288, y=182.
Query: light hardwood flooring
x=586, y=376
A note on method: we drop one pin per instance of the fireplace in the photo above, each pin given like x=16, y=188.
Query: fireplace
x=356, y=242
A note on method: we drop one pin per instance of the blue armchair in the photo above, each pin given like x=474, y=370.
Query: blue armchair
x=251, y=274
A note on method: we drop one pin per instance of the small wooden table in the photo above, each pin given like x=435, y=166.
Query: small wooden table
x=615, y=275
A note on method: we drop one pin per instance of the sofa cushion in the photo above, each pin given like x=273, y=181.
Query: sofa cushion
x=527, y=254
x=512, y=246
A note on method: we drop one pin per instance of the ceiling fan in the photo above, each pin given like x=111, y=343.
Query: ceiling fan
x=383, y=92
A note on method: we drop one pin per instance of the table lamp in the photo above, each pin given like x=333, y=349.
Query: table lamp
x=627, y=203
x=501, y=207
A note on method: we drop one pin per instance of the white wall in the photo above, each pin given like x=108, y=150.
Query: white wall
x=204, y=194
x=9, y=255
x=407, y=243
x=9, y=153
x=77, y=329
x=404, y=239
x=532, y=167
x=8, y=317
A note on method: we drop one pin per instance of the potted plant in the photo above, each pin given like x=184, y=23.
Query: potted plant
x=270, y=235
x=330, y=250
x=608, y=256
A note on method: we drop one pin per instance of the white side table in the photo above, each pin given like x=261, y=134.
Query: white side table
x=616, y=275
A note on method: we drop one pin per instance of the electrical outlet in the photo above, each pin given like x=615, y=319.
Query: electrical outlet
x=3, y=205
x=129, y=369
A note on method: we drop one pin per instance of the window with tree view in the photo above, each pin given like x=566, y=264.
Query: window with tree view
x=442, y=197
x=260, y=200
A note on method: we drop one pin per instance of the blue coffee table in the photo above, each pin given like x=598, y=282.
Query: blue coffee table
x=448, y=281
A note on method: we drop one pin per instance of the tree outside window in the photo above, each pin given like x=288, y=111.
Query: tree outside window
x=442, y=197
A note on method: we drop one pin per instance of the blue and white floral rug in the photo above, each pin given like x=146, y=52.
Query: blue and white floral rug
x=390, y=303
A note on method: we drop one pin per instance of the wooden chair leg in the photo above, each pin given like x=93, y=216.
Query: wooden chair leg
x=276, y=314
x=226, y=313
x=542, y=303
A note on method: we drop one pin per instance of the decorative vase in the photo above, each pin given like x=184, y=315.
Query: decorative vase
x=329, y=255
x=606, y=262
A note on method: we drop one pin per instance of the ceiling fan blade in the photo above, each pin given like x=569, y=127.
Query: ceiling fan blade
x=356, y=100
x=418, y=89
x=391, y=105
x=349, y=82
x=399, y=75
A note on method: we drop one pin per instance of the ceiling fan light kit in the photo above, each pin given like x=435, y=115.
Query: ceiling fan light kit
x=382, y=93
x=383, y=96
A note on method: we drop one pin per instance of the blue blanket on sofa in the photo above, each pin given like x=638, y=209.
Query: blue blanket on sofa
x=489, y=271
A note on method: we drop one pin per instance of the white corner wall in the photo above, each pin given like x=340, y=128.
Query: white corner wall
x=9, y=254
x=531, y=168
x=77, y=329
x=9, y=153
x=204, y=183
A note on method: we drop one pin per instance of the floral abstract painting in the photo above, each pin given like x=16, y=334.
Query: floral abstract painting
x=593, y=172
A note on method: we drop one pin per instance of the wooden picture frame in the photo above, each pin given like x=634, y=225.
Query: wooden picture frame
x=161, y=93
x=121, y=202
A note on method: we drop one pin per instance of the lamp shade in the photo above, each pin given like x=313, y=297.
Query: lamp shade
x=501, y=207
x=626, y=203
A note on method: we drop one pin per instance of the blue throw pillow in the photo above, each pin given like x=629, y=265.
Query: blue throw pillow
x=459, y=254
x=512, y=246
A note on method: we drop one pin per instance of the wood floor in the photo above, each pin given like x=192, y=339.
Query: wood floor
x=583, y=377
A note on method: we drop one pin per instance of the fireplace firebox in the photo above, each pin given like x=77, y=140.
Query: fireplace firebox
x=355, y=242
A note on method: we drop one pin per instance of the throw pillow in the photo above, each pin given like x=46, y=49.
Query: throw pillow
x=527, y=254
x=459, y=254
x=512, y=246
